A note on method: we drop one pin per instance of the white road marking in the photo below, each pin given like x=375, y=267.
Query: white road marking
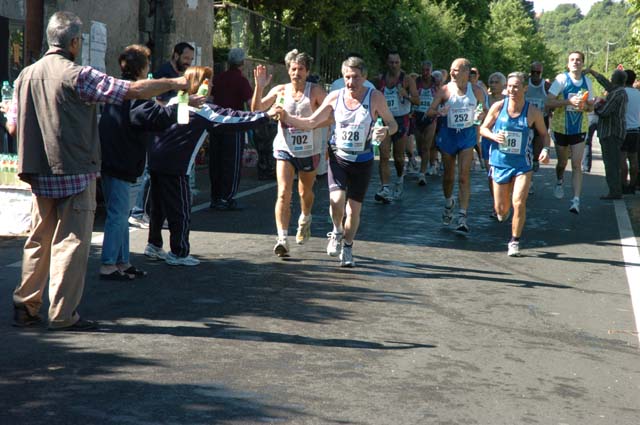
x=631, y=257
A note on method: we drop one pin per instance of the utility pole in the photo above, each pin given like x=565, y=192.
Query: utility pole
x=606, y=62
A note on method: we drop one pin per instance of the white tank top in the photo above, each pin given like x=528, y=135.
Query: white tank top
x=398, y=106
x=461, y=108
x=299, y=143
x=353, y=127
x=536, y=95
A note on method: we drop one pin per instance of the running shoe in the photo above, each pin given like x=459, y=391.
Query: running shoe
x=334, y=244
x=139, y=222
x=304, y=231
x=558, y=191
x=462, y=227
x=154, y=252
x=174, y=260
x=346, y=257
x=412, y=166
x=531, y=189
x=281, y=248
x=513, y=249
x=384, y=195
x=422, y=180
x=398, y=189
x=447, y=214
x=575, y=206
x=504, y=218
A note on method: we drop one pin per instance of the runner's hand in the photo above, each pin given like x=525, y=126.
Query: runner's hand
x=379, y=133
x=260, y=76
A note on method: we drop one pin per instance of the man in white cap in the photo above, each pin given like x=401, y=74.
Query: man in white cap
x=230, y=89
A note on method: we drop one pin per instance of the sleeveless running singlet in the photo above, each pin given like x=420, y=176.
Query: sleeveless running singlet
x=536, y=95
x=299, y=143
x=567, y=119
x=398, y=106
x=517, y=151
x=461, y=108
x=350, y=139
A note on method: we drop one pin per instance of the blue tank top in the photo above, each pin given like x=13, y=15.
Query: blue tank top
x=517, y=151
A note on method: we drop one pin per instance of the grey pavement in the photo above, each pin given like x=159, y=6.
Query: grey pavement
x=429, y=328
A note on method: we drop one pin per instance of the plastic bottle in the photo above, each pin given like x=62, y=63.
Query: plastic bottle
x=183, y=107
x=7, y=92
x=375, y=142
x=476, y=114
x=150, y=76
x=203, y=90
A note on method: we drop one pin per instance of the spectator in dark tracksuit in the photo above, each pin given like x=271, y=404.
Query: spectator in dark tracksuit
x=230, y=90
x=171, y=158
x=124, y=139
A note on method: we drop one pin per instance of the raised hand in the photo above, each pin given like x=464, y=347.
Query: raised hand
x=260, y=77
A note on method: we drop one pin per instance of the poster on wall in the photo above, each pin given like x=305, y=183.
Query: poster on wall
x=98, y=46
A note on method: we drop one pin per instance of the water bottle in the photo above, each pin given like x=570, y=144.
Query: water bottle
x=183, y=107
x=7, y=92
x=375, y=142
x=203, y=90
x=476, y=115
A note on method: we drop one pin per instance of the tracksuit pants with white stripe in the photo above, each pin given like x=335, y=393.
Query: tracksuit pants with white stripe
x=225, y=164
x=170, y=198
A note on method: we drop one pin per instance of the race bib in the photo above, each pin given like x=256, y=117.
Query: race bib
x=512, y=143
x=351, y=137
x=392, y=101
x=460, y=117
x=300, y=142
x=425, y=100
x=538, y=103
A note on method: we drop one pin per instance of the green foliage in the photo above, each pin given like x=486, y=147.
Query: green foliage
x=511, y=39
x=606, y=25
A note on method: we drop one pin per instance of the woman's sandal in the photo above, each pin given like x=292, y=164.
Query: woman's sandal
x=135, y=272
x=115, y=275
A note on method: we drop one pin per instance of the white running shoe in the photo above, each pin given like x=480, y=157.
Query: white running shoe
x=281, y=248
x=503, y=218
x=412, y=166
x=140, y=223
x=422, y=180
x=398, y=190
x=575, y=206
x=447, y=214
x=346, y=257
x=334, y=244
x=384, y=195
x=514, y=249
x=304, y=231
x=558, y=191
x=174, y=260
x=462, y=227
x=154, y=252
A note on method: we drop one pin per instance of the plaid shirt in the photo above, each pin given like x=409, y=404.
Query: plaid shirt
x=92, y=86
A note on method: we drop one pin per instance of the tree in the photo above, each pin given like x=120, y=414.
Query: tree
x=511, y=39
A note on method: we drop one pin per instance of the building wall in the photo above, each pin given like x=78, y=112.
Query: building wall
x=120, y=17
x=12, y=9
x=193, y=22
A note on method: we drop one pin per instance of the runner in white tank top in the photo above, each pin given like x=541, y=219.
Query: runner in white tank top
x=349, y=171
x=295, y=149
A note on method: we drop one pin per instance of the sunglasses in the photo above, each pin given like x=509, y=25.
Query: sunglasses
x=535, y=72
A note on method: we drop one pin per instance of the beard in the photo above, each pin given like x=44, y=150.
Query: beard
x=181, y=66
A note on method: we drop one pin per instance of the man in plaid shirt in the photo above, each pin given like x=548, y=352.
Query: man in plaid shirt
x=53, y=115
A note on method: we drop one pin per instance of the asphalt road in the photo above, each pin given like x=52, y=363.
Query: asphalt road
x=429, y=328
